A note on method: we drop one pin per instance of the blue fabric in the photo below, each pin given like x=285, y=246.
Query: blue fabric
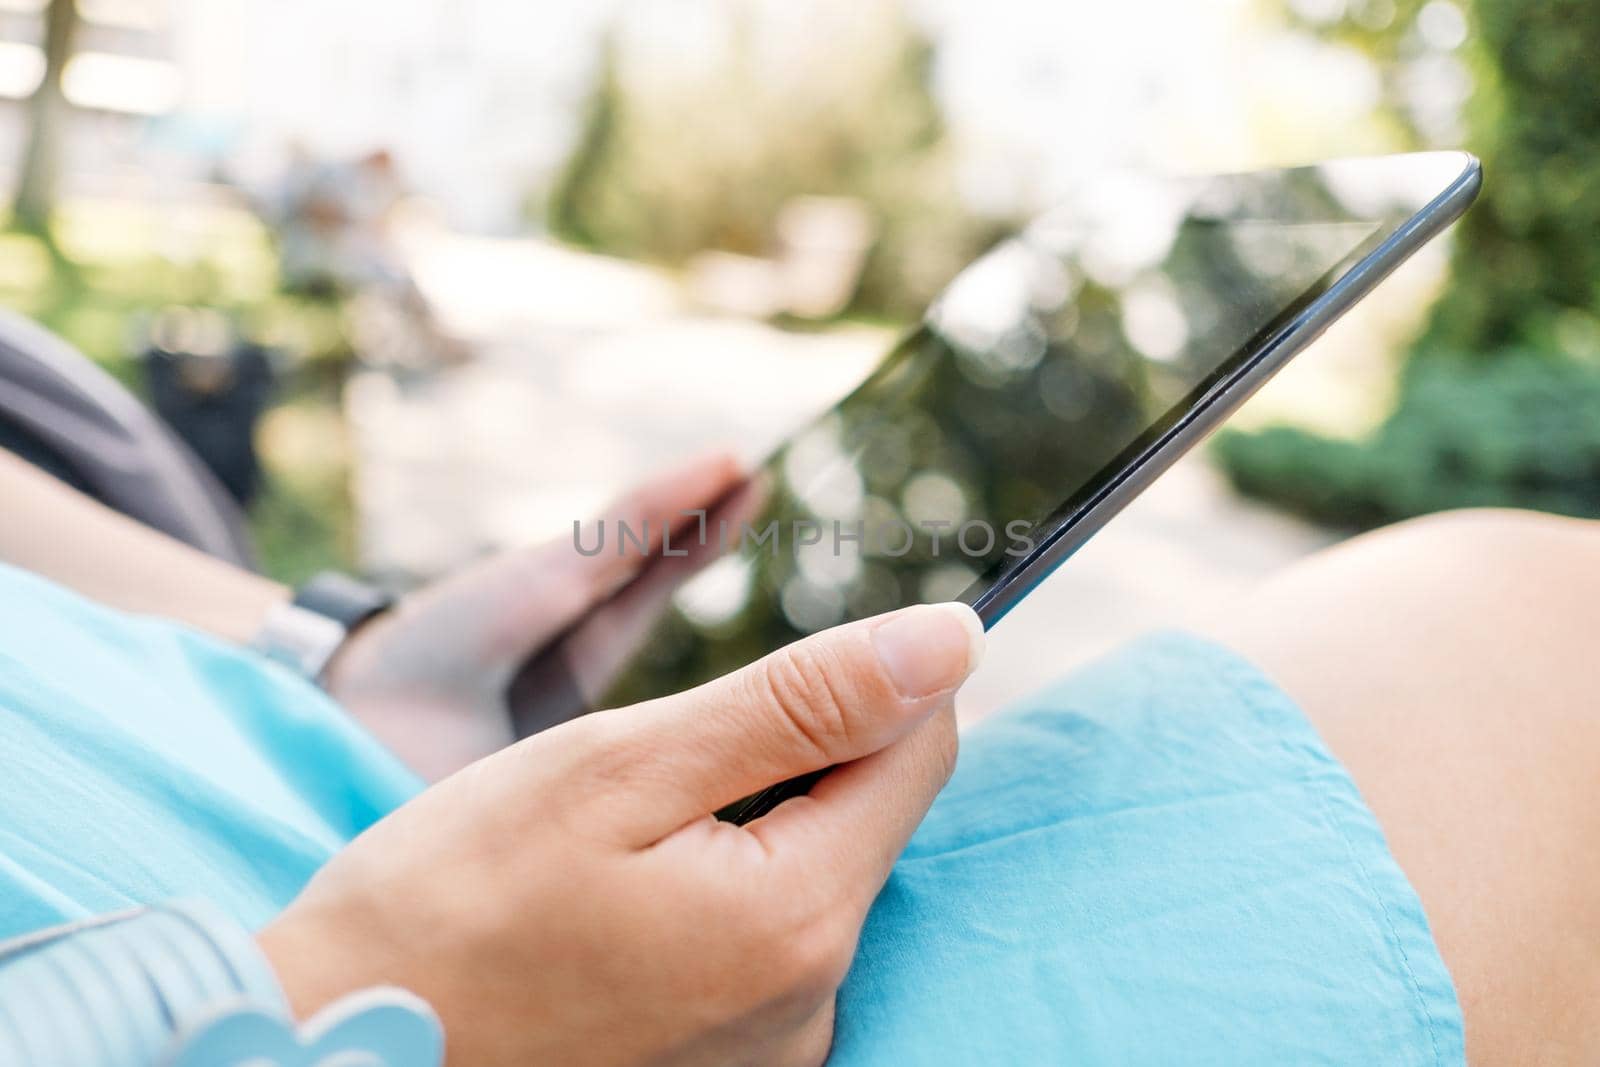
x=140, y=761
x=1157, y=861
x=121, y=990
x=184, y=985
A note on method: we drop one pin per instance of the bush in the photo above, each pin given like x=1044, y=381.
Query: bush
x=1520, y=429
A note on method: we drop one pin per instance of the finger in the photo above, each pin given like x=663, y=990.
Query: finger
x=828, y=699
x=613, y=631
x=854, y=824
x=528, y=597
x=666, y=502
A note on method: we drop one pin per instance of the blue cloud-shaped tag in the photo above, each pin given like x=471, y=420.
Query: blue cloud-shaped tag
x=374, y=1028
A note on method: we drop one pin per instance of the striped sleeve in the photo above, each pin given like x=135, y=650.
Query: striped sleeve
x=114, y=991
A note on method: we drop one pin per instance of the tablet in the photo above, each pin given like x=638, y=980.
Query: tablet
x=1054, y=379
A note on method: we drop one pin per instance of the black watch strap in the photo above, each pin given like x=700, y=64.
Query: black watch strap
x=346, y=600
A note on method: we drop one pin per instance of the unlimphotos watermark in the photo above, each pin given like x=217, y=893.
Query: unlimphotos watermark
x=894, y=538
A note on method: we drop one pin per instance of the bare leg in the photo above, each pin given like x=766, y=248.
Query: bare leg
x=1453, y=664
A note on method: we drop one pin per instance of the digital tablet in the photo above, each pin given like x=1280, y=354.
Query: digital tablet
x=1054, y=379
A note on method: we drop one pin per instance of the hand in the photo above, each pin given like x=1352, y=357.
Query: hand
x=430, y=678
x=570, y=900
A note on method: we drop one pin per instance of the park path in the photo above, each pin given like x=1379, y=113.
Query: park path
x=589, y=373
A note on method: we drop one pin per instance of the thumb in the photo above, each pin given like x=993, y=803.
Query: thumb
x=831, y=698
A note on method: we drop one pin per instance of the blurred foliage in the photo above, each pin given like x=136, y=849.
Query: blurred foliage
x=1519, y=430
x=304, y=521
x=1497, y=403
x=1527, y=264
x=705, y=157
x=110, y=265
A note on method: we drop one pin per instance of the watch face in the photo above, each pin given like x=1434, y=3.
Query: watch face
x=302, y=640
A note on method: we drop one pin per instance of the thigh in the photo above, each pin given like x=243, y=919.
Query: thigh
x=1453, y=665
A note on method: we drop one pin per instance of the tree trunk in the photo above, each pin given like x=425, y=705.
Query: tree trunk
x=47, y=118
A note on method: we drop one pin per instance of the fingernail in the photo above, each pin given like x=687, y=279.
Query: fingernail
x=930, y=648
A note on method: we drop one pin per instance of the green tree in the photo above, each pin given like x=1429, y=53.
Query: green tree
x=1525, y=258
x=1500, y=394
x=574, y=202
x=1527, y=263
x=705, y=158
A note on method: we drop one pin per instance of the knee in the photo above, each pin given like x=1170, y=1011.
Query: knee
x=1486, y=529
x=1455, y=556
x=1458, y=594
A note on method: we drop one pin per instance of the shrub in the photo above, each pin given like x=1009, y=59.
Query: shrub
x=1520, y=429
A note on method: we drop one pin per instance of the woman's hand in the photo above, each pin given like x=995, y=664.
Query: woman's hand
x=571, y=900
x=430, y=678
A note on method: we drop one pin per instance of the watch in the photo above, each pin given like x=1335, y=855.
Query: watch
x=304, y=633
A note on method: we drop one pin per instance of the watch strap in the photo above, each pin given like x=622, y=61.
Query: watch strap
x=346, y=600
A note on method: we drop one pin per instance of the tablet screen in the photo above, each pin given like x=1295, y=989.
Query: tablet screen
x=1042, y=372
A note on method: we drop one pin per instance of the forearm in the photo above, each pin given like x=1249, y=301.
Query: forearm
x=52, y=530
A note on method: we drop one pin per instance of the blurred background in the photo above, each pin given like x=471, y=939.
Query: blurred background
x=418, y=279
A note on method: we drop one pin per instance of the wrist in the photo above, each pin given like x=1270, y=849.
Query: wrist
x=336, y=1002
x=312, y=969
x=358, y=659
x=328, y=965
x=308, y=631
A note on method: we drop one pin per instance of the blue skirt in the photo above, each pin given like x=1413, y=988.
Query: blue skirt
x=1157, y=861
